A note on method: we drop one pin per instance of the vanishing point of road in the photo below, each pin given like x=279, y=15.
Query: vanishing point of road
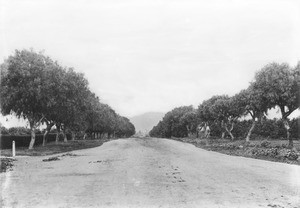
x=149, y=172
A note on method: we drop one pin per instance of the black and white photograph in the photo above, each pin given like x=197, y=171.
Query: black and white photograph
x=150, y=103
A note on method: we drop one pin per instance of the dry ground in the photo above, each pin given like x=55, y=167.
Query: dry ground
x=149, y=173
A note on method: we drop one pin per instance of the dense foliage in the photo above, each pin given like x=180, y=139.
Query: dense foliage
x=275, y=85
x=266, y=128
x=38, y=89
x=24, y=140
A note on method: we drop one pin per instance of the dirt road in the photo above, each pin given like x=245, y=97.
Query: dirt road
x=150, y=173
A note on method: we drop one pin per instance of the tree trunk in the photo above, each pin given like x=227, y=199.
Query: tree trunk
x=223, y=127
x=48, y=128
x=33, y=126
x=57, y=137
x=291, y=142
x=57, y=133
x=45, y=137
x=73, y=136
x=65, y=135
x=223, y=135
x=32, y=141
x=231, y=135
x=250, y=131
x=229, y=132
x=287, y=128
x=286, y=124
x=189, y=131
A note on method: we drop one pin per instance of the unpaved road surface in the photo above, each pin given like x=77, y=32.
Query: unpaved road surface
x=149, y=173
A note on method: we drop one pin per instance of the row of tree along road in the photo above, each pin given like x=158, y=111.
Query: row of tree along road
x=38, y=89
x=275, y=85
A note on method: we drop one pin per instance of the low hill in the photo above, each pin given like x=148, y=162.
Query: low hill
x=146, y=121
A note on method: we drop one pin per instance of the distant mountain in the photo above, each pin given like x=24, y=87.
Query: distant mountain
x=145, y=122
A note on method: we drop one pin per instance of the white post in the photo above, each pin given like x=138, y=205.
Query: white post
x=13, y=149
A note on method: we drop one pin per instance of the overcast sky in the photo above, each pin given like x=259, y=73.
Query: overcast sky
x=155, y=55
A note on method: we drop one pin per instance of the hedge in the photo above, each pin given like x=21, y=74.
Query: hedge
x=272, y=129
x=24, y=140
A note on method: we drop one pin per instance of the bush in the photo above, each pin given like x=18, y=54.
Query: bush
x=275, y=153
x=241, y=128
x=289, y=154
x=4, y=131
x=229, y=146
x=18, y=131
x=272, y=152
x=265, y=143
x=295, y=128
x=271, y=129
x=201, y=142
x=24, y=140
x=266, y=128
x=215, y=130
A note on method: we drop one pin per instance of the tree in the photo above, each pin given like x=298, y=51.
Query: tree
x=279, y=85
x=67, y=106
x=53, y=112
x=92, y=114
x=22, y=87
x=190, y=121
x=226, y=112
x=102, y=120
x=250, y=102
x=74, y=91
x=173, y=123
x=40, y=90
x=158, y=130
x=221, y=110
x=124, y=128
x=204, y=109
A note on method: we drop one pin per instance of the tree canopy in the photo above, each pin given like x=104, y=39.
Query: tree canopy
x=279, y=85
x=35, y=87
x=173, y=123
x=275, y=85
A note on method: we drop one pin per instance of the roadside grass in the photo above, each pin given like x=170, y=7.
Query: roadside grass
x=53, y=148
x=271, y=150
